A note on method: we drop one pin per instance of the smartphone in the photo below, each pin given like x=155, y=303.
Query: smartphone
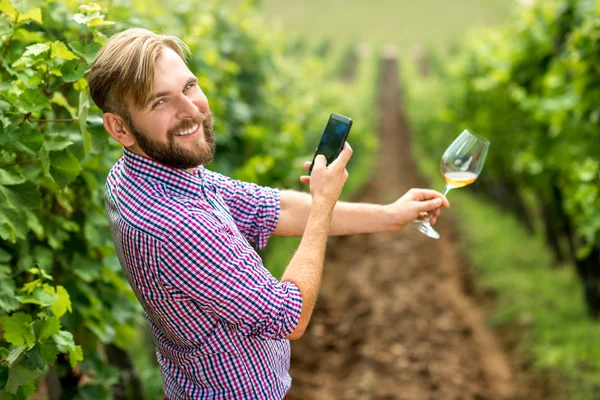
x=333, y=139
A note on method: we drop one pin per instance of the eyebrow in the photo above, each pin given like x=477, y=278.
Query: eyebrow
x=164, y=94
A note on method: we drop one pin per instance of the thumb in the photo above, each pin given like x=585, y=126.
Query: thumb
x=429, y=205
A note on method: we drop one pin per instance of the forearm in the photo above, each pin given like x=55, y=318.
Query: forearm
x=348, y=218
x=306, y=267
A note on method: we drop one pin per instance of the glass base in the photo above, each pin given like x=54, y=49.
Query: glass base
x=426, y=228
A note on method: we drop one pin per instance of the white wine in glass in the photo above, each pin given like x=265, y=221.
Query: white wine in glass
x=460, y=166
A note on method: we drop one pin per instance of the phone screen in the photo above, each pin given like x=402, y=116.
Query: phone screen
x=332, y=139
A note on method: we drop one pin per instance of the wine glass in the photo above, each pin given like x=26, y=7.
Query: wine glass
x=461, y=164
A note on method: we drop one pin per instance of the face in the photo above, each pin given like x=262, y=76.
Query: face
x=175, y=127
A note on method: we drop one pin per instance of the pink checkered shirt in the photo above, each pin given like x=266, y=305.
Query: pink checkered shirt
x=218, y=317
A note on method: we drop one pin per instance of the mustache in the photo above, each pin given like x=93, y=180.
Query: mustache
x=187, y=124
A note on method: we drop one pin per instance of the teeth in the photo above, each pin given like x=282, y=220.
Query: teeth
x=191, y=130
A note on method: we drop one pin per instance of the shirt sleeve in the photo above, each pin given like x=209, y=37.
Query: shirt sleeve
x=228, y=280
x=254, y=208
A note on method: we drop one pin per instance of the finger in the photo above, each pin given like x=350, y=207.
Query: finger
x=433, y=220
x=429, y=205
x=307, y=165
x=344, y=157
x=320, y=162
x=426, y=194
x=305, y=179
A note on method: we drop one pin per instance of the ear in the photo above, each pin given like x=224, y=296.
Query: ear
x=118, y=129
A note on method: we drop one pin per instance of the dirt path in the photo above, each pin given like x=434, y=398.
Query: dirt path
x=392, y=321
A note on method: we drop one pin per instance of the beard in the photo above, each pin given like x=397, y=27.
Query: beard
x=171, y=153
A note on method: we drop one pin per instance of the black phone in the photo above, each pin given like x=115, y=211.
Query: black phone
x=333, y=139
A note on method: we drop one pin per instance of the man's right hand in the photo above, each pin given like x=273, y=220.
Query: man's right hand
x=327, y=182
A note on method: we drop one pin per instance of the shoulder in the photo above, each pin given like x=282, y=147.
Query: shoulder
x=147, y=205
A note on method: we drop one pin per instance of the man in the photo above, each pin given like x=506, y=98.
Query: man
x=220, y=320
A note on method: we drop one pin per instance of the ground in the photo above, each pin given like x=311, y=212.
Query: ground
x=395, y=319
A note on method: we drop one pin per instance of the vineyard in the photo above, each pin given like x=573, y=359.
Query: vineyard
x=524, y=250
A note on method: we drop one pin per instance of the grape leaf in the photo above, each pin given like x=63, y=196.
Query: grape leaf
x=14, y=353
x=6, y=28
x=24, y=6
x=64, y=341
x=20, y=376
x=75, y=355
x=72, y=70
x=17, y=329
x=8, y=302
x=63, y=303
x=13, y=223
x=33, y=101
x=10, y=177
x=49, y=327
x=34, y=358
x=64, y=167
x=60, y=50
x=88, y=51
x=25, y=195
x=48, y=351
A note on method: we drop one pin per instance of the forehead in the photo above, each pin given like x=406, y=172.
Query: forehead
x=170, y=69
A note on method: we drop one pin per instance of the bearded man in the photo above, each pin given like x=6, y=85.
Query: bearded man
x=221, y=322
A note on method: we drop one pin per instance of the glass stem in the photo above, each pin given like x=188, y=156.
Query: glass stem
x=429, y=214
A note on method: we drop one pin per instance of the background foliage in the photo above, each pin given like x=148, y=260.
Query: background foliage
x=531, y=89
x=66, y=310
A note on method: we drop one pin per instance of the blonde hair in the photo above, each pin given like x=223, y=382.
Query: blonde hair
x=123, y=70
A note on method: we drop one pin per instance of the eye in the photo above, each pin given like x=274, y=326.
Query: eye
x=158, y=103
x=188, y=86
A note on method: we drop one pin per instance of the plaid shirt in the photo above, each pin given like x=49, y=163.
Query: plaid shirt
x=218, y=317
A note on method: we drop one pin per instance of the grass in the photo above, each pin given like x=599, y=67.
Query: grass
x=405, y=22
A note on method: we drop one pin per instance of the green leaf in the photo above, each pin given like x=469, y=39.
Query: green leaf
x=31, y=139
x=64, y=167
x=23, y=6
x=20, y=376
x=33, y=101
x=75, y=356
x=44, y=258
x=60, y=50
x=88, y=51
x=84, y=107
x=6, y=28
x=10, y=177
x=14, y=353
x=49, y=327
x=72, y=70
x=25, y=195
x=62, y=303
x=13, y=223
x=4, y=106
x=64, y=341
x=48, y=351
x=34, y=358
x=8, y=302
x=36, y=49
x=85, y=269
x=44, y=298
x=17, y=329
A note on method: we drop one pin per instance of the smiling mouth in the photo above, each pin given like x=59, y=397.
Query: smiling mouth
x=190, y=131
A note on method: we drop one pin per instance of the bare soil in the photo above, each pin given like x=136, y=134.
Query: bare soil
x=395, y=317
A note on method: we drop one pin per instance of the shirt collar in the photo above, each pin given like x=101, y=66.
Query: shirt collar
x=174, y=179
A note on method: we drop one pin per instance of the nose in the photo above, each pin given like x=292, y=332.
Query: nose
x=186, y=109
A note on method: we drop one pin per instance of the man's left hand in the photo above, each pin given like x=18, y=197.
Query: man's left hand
x=416, y=204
